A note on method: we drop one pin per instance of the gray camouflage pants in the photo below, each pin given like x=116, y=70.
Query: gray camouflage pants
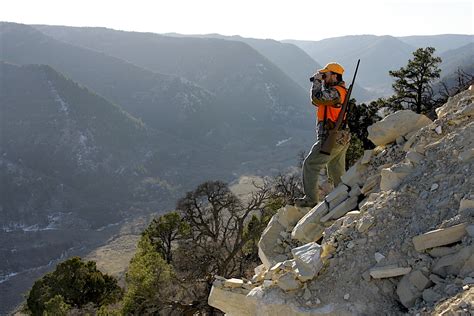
x=315, y=161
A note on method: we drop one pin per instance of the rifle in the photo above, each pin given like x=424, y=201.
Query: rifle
x=328, y=145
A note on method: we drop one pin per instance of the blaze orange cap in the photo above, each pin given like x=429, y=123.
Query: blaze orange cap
x=333, y=67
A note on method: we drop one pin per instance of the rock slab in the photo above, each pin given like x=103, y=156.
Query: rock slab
x=440, y=237
x=388, y=271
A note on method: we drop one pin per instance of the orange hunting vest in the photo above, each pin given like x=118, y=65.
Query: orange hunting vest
x=330, y=112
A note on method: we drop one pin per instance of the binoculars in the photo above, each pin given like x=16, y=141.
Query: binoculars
x=323, y=76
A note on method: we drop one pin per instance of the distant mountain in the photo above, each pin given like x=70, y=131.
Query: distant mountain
x=76, y=139
x=291, y=59
x=462, y=57
x=442, y=43
x=454, y=60
x=162, y=101
x=295, y=62
x=243, y=81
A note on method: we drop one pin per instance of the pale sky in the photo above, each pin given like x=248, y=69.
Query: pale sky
x=277, y=19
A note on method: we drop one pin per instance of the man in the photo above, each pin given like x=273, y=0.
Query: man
x=328, y=94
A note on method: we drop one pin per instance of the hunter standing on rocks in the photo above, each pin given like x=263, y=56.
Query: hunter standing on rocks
x=328, y=94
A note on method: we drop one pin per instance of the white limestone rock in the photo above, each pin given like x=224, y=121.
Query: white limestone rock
x=392, y=177
x=267, y=242
x=309, y=228
x=340, y=190
x=334, y=203
x=394, y=125
x=233, y=303
x=289, y=215
x=389, y=271
x=233, y=283
x=308, y=261
x=452, y=106
x=353, y=176
x=440, y=237
x=287, y=282
x=270, y=250
x=341, y=209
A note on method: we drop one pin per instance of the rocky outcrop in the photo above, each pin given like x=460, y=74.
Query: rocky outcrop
x=395, y=125
x=275, y=245
x=397, y=232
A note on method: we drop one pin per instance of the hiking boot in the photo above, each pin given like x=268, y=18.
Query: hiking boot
x=304, y=202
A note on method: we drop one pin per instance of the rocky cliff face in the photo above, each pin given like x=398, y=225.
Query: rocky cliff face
x=395, y=237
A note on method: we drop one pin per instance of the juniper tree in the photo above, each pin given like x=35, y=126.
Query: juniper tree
x=74, y=283
x=412, y=82
x=164, y=231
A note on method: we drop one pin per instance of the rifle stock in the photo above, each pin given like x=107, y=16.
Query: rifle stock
x=328, y=145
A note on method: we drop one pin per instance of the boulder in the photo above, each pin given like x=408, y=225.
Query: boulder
x=289, y=215
x=271, y=302
x=309, y=228
x=286, y=217
x=406, y=292
x=440, y=237
x=233, y=303
x=267, y=242
x=394, y=125
x=308, y=261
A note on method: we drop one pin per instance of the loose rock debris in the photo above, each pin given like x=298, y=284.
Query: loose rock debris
x=395, y=237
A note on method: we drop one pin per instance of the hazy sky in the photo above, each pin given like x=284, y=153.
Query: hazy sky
x=285, y=19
